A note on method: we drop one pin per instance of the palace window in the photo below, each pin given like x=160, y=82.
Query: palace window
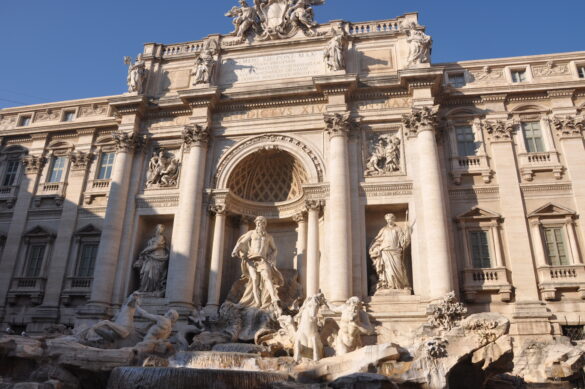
x=10, y=173
x=518, y=75
x=57, y=169
x=466, y=145
x=69, y=116
x=581, y=71
x=480, y=249
x=106, y=165
x=457, y=80
x=34, y=261
x=86, y=260
x=24, y=121
x=533, y=137
x=554, y=241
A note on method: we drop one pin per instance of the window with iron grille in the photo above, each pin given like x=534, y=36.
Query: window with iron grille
x=10, y=173
x=555, y=246
x=465, y=141
x=533, y=137
x=575, y=333
x=106, y=165
x=35, y=260
x=480, y=249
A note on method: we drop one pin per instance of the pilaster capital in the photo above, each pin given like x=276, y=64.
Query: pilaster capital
x=421, y=119
x=569, y=126
x=299, y=217
x=338, y=124
x=314, y=205
x=79, y=159
x=499, y=130
x=33, y=164
x=195, y=135
x=218, y=209
x=128, y=142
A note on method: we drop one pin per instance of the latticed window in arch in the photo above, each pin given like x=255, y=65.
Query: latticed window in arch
x=268, y=176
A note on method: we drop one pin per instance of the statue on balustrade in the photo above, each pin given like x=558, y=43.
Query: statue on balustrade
x=153, y=263
x=163, y=171
x=257, y=251
x=333, y=54
x=384, y=156
x=387, y=253
x=419, y=45
x=136, y=74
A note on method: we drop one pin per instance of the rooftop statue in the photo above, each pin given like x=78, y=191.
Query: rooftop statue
x=258, y=251
x=334, y=52
x=419, y=44
x=136, y=74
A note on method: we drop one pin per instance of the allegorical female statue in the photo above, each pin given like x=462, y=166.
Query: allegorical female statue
x=258, y=251
x=333, y=54
x=387, y=253
x=153, y=263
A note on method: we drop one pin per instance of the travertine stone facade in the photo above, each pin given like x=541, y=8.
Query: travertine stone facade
x=323, y=130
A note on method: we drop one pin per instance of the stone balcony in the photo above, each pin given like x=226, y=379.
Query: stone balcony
x=51, y=190
x=492, y=280
x=96, y=188
x=32, y=287
x=475, y=164
x=8, y=195
x=76, y=287
x=545, y=161
x=552, y=278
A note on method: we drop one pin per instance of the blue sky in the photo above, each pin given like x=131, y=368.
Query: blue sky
x=67, y=49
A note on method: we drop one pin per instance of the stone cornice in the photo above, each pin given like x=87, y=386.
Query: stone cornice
x=128, y=105
x=336, y=85
x=200, y=97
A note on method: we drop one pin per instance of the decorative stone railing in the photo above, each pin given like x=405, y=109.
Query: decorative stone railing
x=52, y=189
x=552, y=278
x=544, y=161
x=32, y=287
x=76, y=287
x=96, y=188
x=374, y=27
x=475, y=164
x=8, y=194
x=486, y=280
x=182, y=49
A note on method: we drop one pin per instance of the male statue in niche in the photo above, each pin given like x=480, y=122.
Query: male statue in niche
x=387, y=253
x=258, y=251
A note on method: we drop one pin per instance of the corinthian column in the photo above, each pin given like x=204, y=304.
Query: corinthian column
x=107, y=257
x=422, y=124
x=312, y=286
x=185, y=240
x=216, y=267
x=339, y=257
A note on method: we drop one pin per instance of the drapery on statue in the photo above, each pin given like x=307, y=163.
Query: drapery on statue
x=419, y=45
x=353, y=324
x=258, y=251
x=152, y=262
x=244, y=18
x=136, y=74
x=333, y=54
x=387, y=253
x=385, y=156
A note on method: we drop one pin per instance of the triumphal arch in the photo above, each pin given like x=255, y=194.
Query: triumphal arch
x=292, y=161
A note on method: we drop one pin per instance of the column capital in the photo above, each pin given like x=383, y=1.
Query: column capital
x=299, y=217
x=338, y=124
x=499, y=130
x=569, y=126
x=80, y=160
x=314, y=205
x=421, y=119
x=33, y=164
x=218, y=209
x=128, y=142
x=195, y=135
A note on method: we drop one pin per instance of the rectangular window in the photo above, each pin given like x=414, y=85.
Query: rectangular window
x=555, y=246
x=10, y=174
x=581, y=71
x=106, y=165
x=465, y=141
x=533, y=137
x=480, y=249
x=35, y=260
x=86, y=261
x=68, y=116
x=457, y=80
x=519, y=75
x=24, y=121
x=57, y=168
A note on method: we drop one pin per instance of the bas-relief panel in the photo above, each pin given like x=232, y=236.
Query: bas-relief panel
x=272, y=67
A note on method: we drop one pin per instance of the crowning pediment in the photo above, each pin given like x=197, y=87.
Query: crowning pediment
x=552, y=209
x=477, y=213
x=38, y=231
x=90, y=229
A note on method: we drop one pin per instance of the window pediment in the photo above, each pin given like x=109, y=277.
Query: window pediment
x=551, y=210
x=89, y=230
x=478, y=214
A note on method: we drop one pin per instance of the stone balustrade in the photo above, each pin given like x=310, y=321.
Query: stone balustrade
x=530, y=163
x=475, y=164
x=33, y=287
x=182, y=49
x=486, y=280
x=552, y=278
